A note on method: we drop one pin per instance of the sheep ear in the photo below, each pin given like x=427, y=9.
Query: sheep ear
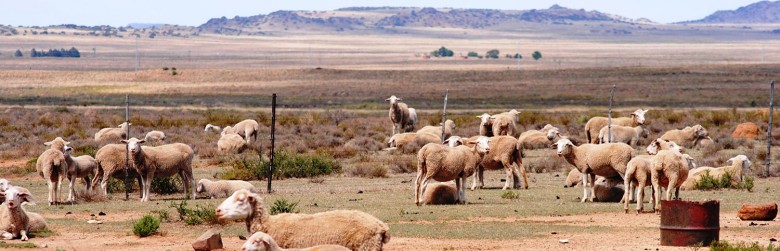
x=730, y=161
x=388, y=99
x=554, y=146
x=141, y=141
x=123, y=141
x=26, y=197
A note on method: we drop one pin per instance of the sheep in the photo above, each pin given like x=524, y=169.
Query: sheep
x=401, y=116
x=210, y=127
x=625, y=134
x=165, y=160
x=260, y=241
x=514, y=114
x=638, y=173
x=454, y=141
x=353, y=229
x=247, y=128
x=436, y=130
x=36, y=222
x=594, y=125
x=112, y=133
x=230, y=142
x=503, y=124
x=4, y=184
x=670, y=169
x=14, y=221
x=606, y=190
x=485, y=125
x=79, y=167
x=111, y=160
x=704, y=142
x=52, y=167
x=155, y=136
x=686, y=136
x=442, y=193
x=223, y=188
x=538, y=139
x=505, y=153
x=443, y=163
x=661, y=144
x=735, y=168
x=401, y=140
x=607, y=160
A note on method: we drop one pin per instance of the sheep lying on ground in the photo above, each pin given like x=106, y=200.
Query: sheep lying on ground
x=443, y=163
x=661, y=144
x=436, y=130
x=735, y=167
x=230, y=142
x=52, y=167
x=14, y=221
x=538, y=139
x=162, y=161
x=606, y=190
x=606, y=160
x=485, y=125
x=36, y=222
x=442, y=193
x=79, y=167
x=505, y=153
x=223, y=188
x=401, y=116
x=112, y=134
x=686, y=136
x=355, y=230
x=401, y=140
x=624, y=134
x=155, y=136
x=260, y=241
x=111, y=162
x=594, y=125
x=213, y=128
x=669, y=169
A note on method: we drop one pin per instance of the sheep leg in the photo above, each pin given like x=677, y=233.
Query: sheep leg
x=71, y=190
x=87, y=182
x=146, y=186
x=592, y=186
x=584, y=188
x=424, y=186
x=23, y=233
x=51, y=192
x=461, y=194
x=481, y=173
x=521, y=171
x=509, y=176
x=393, y=128
x=640, y=195
x=656, y=191
x=626, y=182
x=417, y=184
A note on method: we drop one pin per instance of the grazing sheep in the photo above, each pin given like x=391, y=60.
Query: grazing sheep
x=401, y=116
x=704, y=142
x=223, y=188
x=213, y=128
x=111, y=160
x=162, y=161
x=686, y=136
x=401, y=139
x=79, y=167
x=14, y=221
x=260, y=241
x=485, y=125
x=52, y=167
x=538, y=139
x=230, y=142
x=246, y=128
x=606, y=160
x=747, y=130
x=503, y=124
x=443, y=163
x=442, y=193
x=638, y=176
x=155, y=136
x=355, y=230
x=669, y=169
x=735, y=168
x=436, y=130
x=624, y=134
x=505, y=152
x=606, y=190
x=594, y=125
x=661, y=144
x=112, y=134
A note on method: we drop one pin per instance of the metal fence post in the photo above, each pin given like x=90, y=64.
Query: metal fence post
x=127, y=148
x=769, y=128
x=609, y=115
x=273, y=139
x=444, y=116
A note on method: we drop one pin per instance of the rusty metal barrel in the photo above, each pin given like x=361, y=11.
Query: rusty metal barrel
x=686, y=223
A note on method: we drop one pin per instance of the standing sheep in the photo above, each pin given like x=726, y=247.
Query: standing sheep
x=112, y=134
x=155, y=136
x=14, y=221
x=607, y=160
x=111, y=163
x=230, y=142
x=52, y=167
x=436, y=130
x=624, y=134
x=260, y=241
x=505, y=153
x=355, y=230
x=736, y=166
x=401, y=116
x=594, y=125
x=163, y=161
x=670, y=169
x=686, y=136
x=247, y=128
x=223, y=188
x=443, y=163
x=485, y=125
x=504, y=124
x=538, y=139
x=79, y=167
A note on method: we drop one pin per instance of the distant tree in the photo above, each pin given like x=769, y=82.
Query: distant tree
x=518, y=56
x=444, y=52
x=473, y=54
x=435, y=53
x=536, y=55
x=492, y=53
x=73, y=52
x=33, y=53
x=18, y=54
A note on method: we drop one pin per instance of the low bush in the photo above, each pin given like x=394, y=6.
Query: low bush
x=166, y=185
x=708, y=182
x=146, y=226
x=741, y=246
x=198, y=215
x=283, y=206
x=368, y=170
x=509, y=195
x=287, y=165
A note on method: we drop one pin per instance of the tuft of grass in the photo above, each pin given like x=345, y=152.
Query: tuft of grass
x=146, y=226
x=286, y=165
x=509, y=195
x=198, y=215
x=166, y=185
x=4, y=244
x=368, y=170
x=283, y=206
x=162, y=215
x=741, y=246
x=708, y=182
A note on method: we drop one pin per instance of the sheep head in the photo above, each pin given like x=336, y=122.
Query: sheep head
x=68, y=151
x=259, y=241
x=482, y=144
x=645, y=132
x=701, y=132
x=449, y=123
x=393, y=99
x=552, y=133
x=690, y=161
x=124, y=125
x=639, y=116
x=485, y=118
x=454, y=141
x=200, y=186
x=4, y=184
x=564, y=146
x=227, y=129
x=745, y=161
x=57, y=144
x=15, y=196
x=134, y=145
x=660, y=144
x=237, y=207
x=391, y=141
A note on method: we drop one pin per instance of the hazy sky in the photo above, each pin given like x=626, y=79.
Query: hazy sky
x=196, y=12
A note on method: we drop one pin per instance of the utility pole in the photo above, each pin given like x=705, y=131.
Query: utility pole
x=273, y=139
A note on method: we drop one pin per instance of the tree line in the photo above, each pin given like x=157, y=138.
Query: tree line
x=494, y=53
x=61, y=53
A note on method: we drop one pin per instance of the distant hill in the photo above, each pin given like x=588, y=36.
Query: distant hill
x=144, y=25
x=760, y=12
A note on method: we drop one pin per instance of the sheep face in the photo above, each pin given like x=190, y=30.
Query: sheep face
x=58, y=144
x=257, y=242
x=553, y=133
x=645, y=132
x=15, y=196
x=134, y=145
x=68, y=150
x=659, y=144
x=700, y=131
x=200, y=186
x=236, y=207
x=4, y=184
x=564, y=146
x=745, y=161
x=124, y=125
x=639, y=116
x=454, y=141
x=393, y=100
x=485, y=119
x=482, y=144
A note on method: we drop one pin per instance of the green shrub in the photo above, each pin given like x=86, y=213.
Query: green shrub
x=741, y=246
x=166, y=185
x=85, y=150
x=287, y=165
x=198, y=215
x=707, y=182
x=4, y=244
x=146, y=226
x=162, y=215
x=283, y=206
x=509, y=195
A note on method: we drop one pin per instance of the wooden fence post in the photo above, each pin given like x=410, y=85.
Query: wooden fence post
x=273, y=140
x=127, y=148
x=769, y=128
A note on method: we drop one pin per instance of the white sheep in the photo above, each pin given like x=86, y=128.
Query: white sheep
x=607, y=160
x=36, y=222
x=504, y=124
x=213, y=128
x=14, y=221
x=230, y=142
x=223, y=188
x=686, y=136
x=4, y=184
x=485, y=125
x=247, y=128
x=155, y=136
x=443, y=163
x=661, y=144
x=624, y=134
x=355, y=230
x=669, y=169
x=594, y=125
x=735, y=167
x=260, y=241
x=505, y=153
x=52, y=167
x=401, y=139
x=442, y=193
x=79, y=167
x=400, y=115
x=436, y=130
x=162, y=161
x=538, y=139
x=605, y=190
x=112, y=134
x=111, y=160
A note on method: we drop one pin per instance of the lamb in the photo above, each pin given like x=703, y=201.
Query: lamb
x=485, y=125
x=504, y=124
x=606, y=160
x=594, y=125
x=443, y=163
x=223, y=188
x=52, y=167
x=111, y=160
x=401, y=116
x=155, y=136
x=14, y=221
x=260, y=241
x=505, y=152
x=538, y=139
x=112, y=134
x=625, y=134
x=686, y=136
x=442, y=193
x=79, y=167
x=165, y=160
x=735, y=168
x=670, y=169
x=230, y=142
x=355, y=230
x=436, y=130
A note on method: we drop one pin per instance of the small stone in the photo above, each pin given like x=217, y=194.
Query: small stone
x=772, y=239
x=241, y=237
x=752, y=224
x=94, y=222
x=766, y=212
x=102, y=214
x=554, y=233
x=564, y=241
x=92, y=215
x=209, y=240
x=360, y=191
x=557, y=197
x=68, y=213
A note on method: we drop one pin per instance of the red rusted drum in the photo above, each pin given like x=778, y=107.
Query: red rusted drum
x=686, y=223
